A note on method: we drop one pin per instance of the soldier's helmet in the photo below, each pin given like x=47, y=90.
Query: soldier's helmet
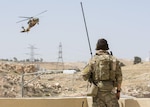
x=102, y=44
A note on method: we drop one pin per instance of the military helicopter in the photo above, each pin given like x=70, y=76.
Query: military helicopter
x=32, y=21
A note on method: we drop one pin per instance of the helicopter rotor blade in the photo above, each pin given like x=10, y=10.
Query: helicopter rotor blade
x=40, y=13
x=22, y=20
x=28, y=18
x=25, y=17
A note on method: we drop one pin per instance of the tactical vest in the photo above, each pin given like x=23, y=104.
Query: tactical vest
x=104, y=67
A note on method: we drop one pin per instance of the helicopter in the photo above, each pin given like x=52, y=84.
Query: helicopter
x=32, y=21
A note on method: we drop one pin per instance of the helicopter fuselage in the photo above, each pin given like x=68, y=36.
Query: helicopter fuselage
x=33, y=22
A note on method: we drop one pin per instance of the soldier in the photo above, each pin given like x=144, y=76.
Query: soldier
x=104, y=72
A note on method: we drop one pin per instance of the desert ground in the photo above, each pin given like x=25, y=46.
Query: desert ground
x=136, y=80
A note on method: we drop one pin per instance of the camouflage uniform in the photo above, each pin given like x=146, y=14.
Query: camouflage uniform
x=104, y=97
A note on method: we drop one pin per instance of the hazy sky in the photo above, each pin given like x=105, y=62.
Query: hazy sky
x=124, y=23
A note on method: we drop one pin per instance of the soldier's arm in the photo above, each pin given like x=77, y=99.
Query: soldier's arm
x=86, y=72
x=118, y=76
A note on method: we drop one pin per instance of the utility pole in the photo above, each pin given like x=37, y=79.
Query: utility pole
x=60, y=62
x=32, y=54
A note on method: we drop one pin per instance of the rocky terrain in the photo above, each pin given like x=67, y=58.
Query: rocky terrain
x=136, y=80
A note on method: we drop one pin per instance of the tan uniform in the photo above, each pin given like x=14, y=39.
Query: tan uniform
x=105, y=72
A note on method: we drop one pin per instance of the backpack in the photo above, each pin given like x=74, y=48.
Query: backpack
x=104, y=67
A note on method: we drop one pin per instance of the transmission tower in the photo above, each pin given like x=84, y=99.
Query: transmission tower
x=32, y=53
x=60, y=63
